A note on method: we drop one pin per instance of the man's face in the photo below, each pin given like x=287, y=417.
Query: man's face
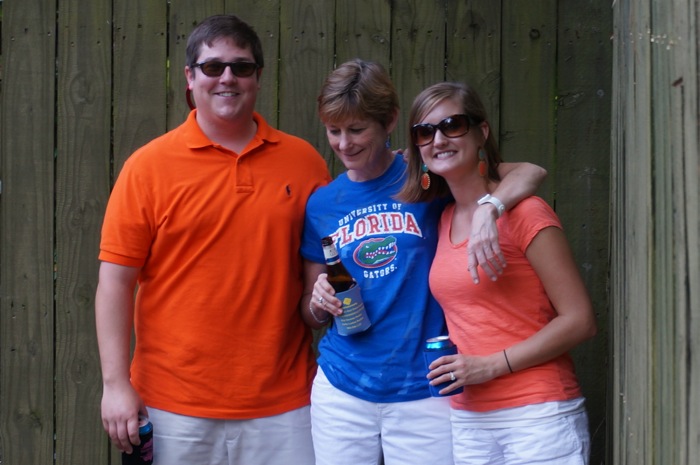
x=226, y=98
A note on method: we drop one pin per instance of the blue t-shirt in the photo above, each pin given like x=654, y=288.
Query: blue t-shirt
x=388, y=247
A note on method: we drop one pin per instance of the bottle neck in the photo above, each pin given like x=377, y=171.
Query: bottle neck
x=331, y=254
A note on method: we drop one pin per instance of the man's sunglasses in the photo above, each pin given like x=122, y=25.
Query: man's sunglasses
x=217, y=68
x=452, y=126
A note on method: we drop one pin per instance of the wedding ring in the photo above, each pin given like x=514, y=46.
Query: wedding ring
x=452, y=376
x=320, y=300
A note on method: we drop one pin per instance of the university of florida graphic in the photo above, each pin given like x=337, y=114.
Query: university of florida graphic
x=373, y=232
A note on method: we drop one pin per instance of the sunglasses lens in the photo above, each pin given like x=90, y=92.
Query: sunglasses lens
x=213, y=68
x=422, y=134
x=239, y=69
x=243, y=68
x=454, y=126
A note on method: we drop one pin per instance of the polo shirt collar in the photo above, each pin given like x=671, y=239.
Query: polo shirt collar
x=197, y=139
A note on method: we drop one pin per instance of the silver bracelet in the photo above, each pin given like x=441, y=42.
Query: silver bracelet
x=313, y=315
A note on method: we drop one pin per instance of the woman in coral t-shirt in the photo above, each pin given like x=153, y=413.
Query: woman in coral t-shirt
x=521, y=401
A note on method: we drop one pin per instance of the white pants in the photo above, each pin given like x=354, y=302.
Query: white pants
x=557, y=440
x=278, y=440
x=351, y=431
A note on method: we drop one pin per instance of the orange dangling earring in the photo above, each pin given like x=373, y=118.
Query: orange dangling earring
x=483, y=166
x=425, y=177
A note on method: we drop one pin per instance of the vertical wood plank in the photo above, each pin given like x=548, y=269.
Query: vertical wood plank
x=140, y=75
x=621, y=75
x=82, y=183
x=307, y=31
x=474, y=52
x=184, y=16
x=638, y=215
x=667, y=141
x=617, y=403
x=363, y=30
x=528, y=85
x=582, y=180
x=632, y=238
x=418, y=50
x=263, y=16
x=27, y=167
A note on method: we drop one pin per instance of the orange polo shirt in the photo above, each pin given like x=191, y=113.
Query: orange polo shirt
x=217, y=235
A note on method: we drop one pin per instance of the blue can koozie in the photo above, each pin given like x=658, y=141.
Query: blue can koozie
x=436, y=347
x=354, y=318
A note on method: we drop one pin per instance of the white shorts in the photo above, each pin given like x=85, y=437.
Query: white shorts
x=350, y=431
x=277, y=440
x=554, y=439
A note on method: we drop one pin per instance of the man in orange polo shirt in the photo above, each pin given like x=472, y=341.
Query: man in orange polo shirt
x=206, y=221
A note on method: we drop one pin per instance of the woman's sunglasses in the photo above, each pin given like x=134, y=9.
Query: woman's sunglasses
x=452, y=126
x=217, y=68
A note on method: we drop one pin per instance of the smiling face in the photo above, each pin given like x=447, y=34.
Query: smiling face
x=226, y=98
x=452, y=157
x=360, y=144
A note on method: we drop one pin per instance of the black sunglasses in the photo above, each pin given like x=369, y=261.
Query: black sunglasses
x=217, y=68
x=452, y=126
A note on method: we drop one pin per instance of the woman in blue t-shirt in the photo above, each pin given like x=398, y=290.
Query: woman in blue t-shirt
x=370, y=398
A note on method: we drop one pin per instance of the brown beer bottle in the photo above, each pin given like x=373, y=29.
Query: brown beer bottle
x=338, y=275
x=354, y=318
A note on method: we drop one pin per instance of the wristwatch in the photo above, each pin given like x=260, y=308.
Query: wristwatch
x=488, y=198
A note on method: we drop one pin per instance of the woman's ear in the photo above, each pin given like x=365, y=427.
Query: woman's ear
x=394, y=121
x=485, y=129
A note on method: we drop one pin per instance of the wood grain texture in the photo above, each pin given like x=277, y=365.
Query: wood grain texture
x=655, y=246
x=27, y=322
x=306, y=49
x=418, y=51
x=473, y=51
x=581, y=179
x=528, y=87
x=83, y=149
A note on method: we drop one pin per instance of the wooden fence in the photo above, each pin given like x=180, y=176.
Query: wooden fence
x=84, y=83
x=655, y=247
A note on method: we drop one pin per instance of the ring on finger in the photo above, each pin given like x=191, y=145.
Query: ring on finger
x=320, y=300
x=452, y=376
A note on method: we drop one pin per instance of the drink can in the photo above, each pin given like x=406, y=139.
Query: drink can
x=143, y=453
x=436, y=347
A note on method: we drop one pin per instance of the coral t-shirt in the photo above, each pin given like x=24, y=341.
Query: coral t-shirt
x=491, y=316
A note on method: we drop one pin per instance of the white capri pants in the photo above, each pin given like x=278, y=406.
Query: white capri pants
x=552, y=433
x=278, y=440
x=351, y=431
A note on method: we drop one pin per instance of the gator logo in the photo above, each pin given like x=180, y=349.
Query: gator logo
x=375, y=253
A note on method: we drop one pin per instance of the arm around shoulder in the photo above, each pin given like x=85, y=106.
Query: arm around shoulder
x=518, y=181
